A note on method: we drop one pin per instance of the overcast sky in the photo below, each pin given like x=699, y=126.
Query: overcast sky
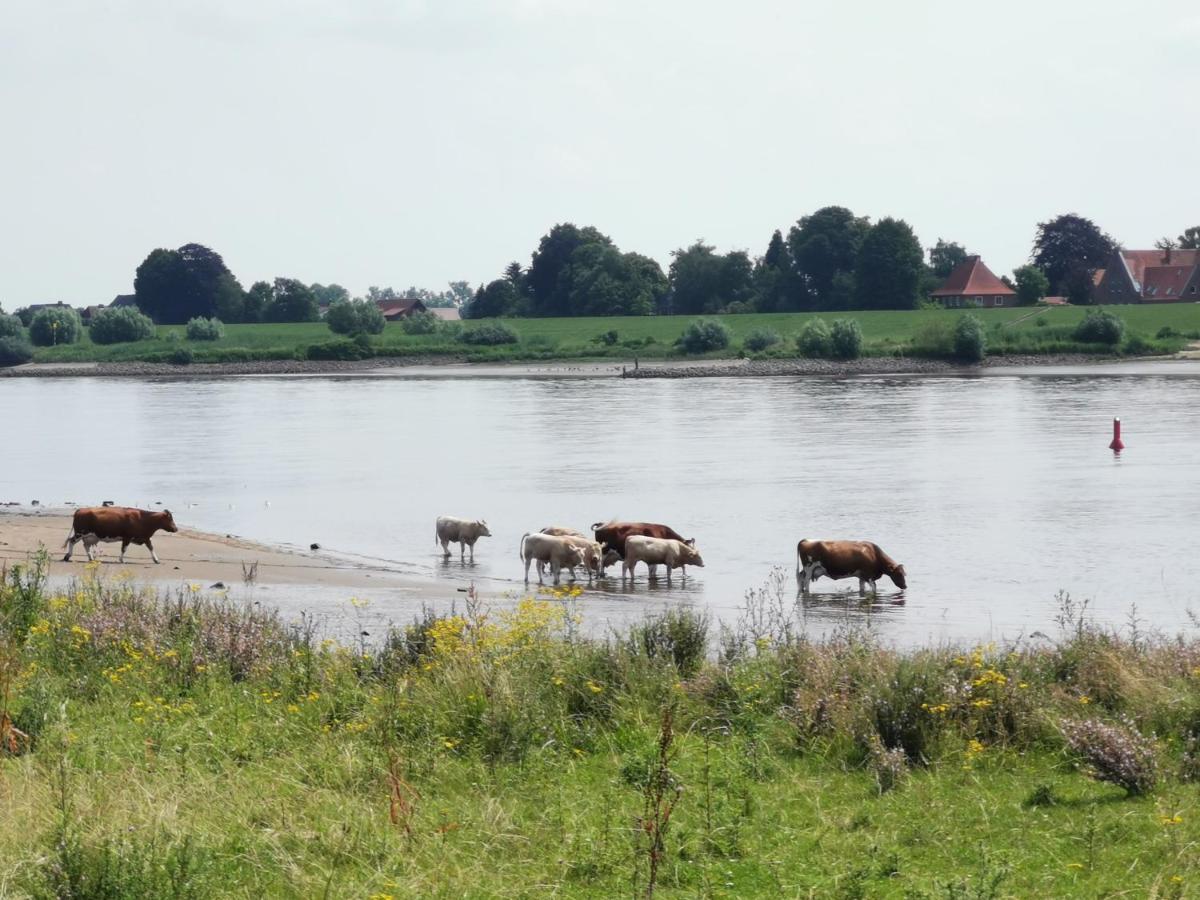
x=406, y=142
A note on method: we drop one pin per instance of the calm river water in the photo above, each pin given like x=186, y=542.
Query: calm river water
x=996, y=492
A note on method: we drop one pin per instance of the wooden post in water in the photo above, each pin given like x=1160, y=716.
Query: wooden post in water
x=1117, y=444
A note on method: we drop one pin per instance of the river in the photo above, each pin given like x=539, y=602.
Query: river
x=996, y=492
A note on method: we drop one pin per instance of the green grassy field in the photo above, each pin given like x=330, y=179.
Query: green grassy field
x=184, y=746
x=652, y=337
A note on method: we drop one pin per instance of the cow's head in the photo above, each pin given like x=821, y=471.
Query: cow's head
x=574, y=556
x=611, y=558
x=168, y=521
x=483, y=529
x=691, y=542
x=691, y=556
x=897, y=576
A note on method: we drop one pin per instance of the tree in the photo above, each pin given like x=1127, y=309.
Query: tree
x=355, y=317
x=1068, y=250
x=1031, y=284
x=600, y=280
x=825, y=248
x=55, y=325
x=329, y=294
x=172, y=286
x=1190, y=239
x=552, y=256
x=119, y=325
x=775, y=283
x=258, y=298
x=458, y=292
x=944, y=257
x=703, y=281
x=890, y=266
x=293, y=301
x=496, y=299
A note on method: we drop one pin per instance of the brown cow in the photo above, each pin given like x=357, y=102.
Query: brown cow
x=116, y=523
x=612, y=535
x=846, y=559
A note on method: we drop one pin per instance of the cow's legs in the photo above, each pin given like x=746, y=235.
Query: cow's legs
x=445, y=548
x=556, y=569
x=462, y=550
x=153, y=555
x=626, y=570
x=124, y=547
x=71, y=539
x=528, y=560
x=472, y=546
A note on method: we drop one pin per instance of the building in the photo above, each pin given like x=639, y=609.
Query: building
x=395, y=310
x=124, y=300
x=1149, y=276
x=974, y=284
x=446, y=313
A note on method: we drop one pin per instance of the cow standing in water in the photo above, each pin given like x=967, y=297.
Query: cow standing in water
x=464, y=532
x=94, y=524
x=846, y=559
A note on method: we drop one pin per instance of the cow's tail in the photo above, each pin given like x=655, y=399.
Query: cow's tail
x=70, y=534
x=798, y=543
x=521, y=549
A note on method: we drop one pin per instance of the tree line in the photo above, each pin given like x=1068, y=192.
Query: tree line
x=829, y=260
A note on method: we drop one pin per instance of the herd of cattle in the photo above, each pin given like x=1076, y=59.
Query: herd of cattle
x=555, y=547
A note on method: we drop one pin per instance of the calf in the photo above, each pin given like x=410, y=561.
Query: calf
x=659, y=551
x=846, y=559
x=464, y=532
x=559, y=552
x=595, y=560
x=93, y=524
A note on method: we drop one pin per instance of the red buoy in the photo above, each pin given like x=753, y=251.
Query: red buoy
x=1117, y=444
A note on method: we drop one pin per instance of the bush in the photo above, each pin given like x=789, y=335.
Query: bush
x=970, y=340
x=15, y=350
x=55, y=325
x=846, y=339
x=934, y=338
x=814, y=339
x=703, y=336
x=340, y=349
x=760, y=339
x=678, y=636
x=1100, y=327
x=419, y=323
x=1113, y=753
x=10, y=326
x=1136, y=345
x=201, y=329
x=489, y=334
x=355, y=317
x=120, y=325
x=1163, y=333
x=181, y=356
x=608, y=338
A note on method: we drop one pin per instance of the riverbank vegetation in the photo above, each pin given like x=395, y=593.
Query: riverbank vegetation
x=1162, y=328
x=184, y=744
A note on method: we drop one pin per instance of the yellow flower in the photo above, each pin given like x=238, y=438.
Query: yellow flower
x=1176, y=879
x=981, y=704
x=1172, y=820
x=293, y=708
x=1074, y=865
x=1085, y=700
x=449, y=743
x=1023, y=685
x=558, y=682
x=194, y=587
x=359, y=602
x=593, y=687
x=380, y=896
x=579, y=752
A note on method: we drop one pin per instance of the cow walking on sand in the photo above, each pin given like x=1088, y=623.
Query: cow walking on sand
x=550, y=549
x=846, y=559
x=93, y=524
x=464, y=532
x=659, y=552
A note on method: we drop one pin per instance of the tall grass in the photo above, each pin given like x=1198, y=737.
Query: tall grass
x=185, y=743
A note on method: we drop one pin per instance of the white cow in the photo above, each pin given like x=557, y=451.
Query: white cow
x=464, y=532
x=659, y=552
x=595, y=560
x=558, y=551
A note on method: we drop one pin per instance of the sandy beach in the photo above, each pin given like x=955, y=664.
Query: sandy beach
x=194, y=556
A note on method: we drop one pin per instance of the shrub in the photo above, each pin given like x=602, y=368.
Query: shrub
x=608, y=338
x=418, y=323
x=1136, y=345
x=890, y=766
x=201, y=329
x=760, y=339
x=970, y=340
x=814, y=339
x=355, y=317
x=10, y=326
x=1040, y=322
x=339, y=349
x=14, y=351
x=703, y=336
x=120, y=325
x=1114, y=753
x=489, y=334
x=55, y=325
x=1100, y=327
x=1166, y=332
x=846, y=339
x=181, y=356
x=677, y=635
x=934, y=338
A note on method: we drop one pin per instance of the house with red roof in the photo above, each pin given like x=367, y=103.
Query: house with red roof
x=1150, y=276
x=395, y=310
x=973, y=284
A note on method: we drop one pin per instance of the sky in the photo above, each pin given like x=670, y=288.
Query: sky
x=368, y=142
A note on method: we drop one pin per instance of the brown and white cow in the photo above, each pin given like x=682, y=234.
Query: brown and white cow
x=846, y=559
x=613, y=535
x=93, y=524
x=653, y=552
x=464, y=532
x=557, y=551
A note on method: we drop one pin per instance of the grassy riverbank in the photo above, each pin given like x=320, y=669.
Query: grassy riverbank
x=186, y=746
x=885, y=333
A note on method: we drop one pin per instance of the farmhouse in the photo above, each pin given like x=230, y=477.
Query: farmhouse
x=973, y=284
x=1150, y=276
x=395, y=310
x=446, y=313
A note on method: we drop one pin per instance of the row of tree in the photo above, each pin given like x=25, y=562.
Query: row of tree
x=830, y=260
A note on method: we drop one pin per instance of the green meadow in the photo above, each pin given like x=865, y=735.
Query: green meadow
x=910, y=332
x=186, y=744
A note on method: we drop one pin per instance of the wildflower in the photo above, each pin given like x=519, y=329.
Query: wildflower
x=579, y=752
x=449, y=743
x=292, y=708
x=558, y=682
x=359, y=602
x=1023, y=685
x=1085, y=700
x=312, y=697
x=380, y=896
x=593, y=687
x=1074, y=865
x=194, y=587
x=1176, y=879
x=1171, y=820
x=981, y=704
